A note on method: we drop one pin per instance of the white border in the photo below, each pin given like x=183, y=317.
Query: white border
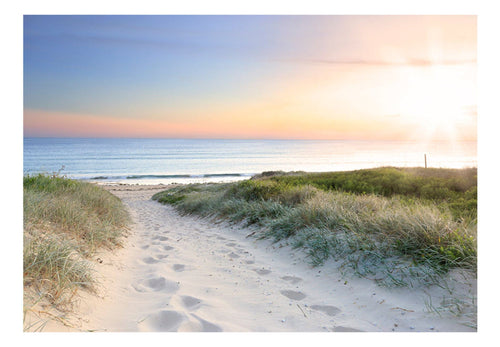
x=488, y=58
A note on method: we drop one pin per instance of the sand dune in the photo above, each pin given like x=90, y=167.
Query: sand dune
x=181, y=273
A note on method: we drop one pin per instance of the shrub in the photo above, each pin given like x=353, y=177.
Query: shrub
x=65, y=222
x=402, y=225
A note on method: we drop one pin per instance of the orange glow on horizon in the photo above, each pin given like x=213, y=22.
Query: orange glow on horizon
x=244, y=126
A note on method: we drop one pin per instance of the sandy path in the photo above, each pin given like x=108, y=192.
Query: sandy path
x=187, y=274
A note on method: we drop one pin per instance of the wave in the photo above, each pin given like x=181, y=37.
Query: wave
x=157, y=176
x=146, y=176
x=226, y=175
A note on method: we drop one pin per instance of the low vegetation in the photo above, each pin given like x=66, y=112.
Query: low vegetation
x=65, y=222
x=397, y=226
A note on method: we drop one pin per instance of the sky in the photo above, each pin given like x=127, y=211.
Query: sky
x=263, y=77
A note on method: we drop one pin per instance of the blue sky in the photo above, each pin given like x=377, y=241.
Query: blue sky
x=85, y=63
x=219, y=72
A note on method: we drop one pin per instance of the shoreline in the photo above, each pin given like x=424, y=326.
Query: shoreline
x=165, y=182
x=189, y=274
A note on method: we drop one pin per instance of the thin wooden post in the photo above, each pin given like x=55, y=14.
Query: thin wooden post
x=425, y=159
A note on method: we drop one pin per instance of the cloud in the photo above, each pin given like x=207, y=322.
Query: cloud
x=408, y=62
x=105, y=40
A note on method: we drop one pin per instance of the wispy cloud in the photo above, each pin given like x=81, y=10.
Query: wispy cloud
x=408, y=62
x=165, y=43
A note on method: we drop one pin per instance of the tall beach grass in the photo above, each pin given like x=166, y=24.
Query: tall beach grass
x=396, y=226
x=65, y=223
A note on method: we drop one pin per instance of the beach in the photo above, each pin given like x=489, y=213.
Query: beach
x=251, y=173
x=186, y=274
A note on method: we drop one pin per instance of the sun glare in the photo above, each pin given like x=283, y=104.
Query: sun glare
x=436, y=100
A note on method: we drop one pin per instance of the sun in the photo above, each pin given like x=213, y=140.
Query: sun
x=435, y=100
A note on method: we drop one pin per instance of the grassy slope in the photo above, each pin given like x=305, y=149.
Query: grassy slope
x=398, y=226
x=65, y=222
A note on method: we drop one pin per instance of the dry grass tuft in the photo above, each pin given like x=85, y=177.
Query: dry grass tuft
x=65, y=222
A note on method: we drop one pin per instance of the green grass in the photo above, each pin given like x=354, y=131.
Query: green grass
x=456, y=189
x=396, y=226
x=65, y=222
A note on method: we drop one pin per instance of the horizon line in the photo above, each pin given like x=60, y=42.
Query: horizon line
x=230, y=139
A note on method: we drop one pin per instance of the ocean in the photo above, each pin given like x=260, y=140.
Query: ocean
x=154, y=161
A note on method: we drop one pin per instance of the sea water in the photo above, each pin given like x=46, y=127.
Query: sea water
x=153, y=161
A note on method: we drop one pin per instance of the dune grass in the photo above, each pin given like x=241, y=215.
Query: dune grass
x=65, y=222
x=396, y=226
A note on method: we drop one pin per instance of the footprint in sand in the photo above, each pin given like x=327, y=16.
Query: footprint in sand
x=145, y=247
x=179, y=267
x=345, y=329
x=207, y=326
x=190, y=302
x=233, y=255
x=231, y=244
x=262, y=271
x=249, y=261
x=163, y=321
x=291, y=294
x=156, y=284
x=150, y=260
x=329, y=310
x=167, y=248
x=292, y=279
x=161, y=238
x=162, y=256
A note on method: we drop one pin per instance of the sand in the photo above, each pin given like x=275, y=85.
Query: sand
x=187, y=274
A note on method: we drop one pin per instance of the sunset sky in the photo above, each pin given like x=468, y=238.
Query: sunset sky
x=284, y=77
